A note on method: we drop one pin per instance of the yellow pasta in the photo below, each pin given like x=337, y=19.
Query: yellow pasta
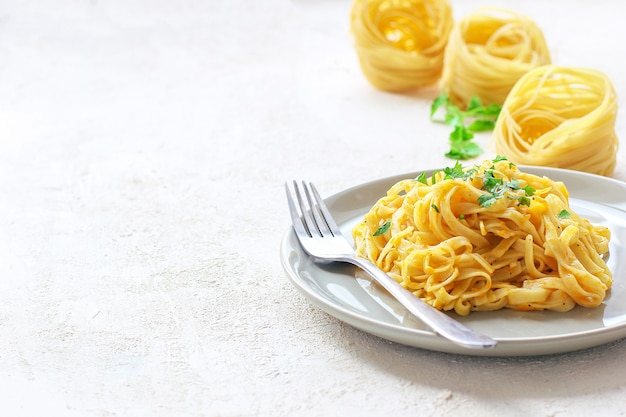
x=486, y=238
x=487, y=52
x=401, y=43
x=560, y=117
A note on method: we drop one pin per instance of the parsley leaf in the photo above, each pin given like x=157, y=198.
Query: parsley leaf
x=564, y=214
x=461, y=134
x=530, y=191
x=463, y=150
x=513, y=184
x=474, y=104
x=382, y=229
x=491, y=183
x=439, y=102
x=487, y=200
x=422, y=178
x=481, y=125
x=476, y=118
x=491, y=111
x=456, y=172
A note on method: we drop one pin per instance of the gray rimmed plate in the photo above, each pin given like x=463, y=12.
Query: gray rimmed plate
x=345, y=293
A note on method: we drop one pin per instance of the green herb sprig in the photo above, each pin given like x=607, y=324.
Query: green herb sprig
x=382, y=229
x=449, y=173
x=476, y=118
x=497, y=188
x=564, y=214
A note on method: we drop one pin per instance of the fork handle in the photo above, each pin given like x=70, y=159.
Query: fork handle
x=438, y=321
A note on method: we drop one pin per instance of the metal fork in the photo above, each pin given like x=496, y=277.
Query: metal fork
x=320, y=237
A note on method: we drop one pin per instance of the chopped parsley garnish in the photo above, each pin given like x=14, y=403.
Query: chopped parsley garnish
x=422, y=178
x=476, y=118
x=456, y=172
x=494, y=186
x=450, y=173
x=564, y=214
x=382, y=229
x=497, y=188
x=434, y=207
x=487, y=200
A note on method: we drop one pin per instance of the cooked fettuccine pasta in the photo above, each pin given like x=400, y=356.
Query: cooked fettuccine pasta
x=487, y=238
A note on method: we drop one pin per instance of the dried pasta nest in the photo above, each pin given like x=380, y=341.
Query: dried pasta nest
x=400, y=43
x=487, y=52
x=560, y=117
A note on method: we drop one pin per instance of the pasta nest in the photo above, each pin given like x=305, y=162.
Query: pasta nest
x=458, y=247
x=487, y=52
x=400, y=43
x=560, y=117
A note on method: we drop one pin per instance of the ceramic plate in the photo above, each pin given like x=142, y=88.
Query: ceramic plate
x=347, y=294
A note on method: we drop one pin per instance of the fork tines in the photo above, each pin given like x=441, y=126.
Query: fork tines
x=311, y=216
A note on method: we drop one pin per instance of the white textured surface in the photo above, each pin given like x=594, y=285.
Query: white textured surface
x=143, y=150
